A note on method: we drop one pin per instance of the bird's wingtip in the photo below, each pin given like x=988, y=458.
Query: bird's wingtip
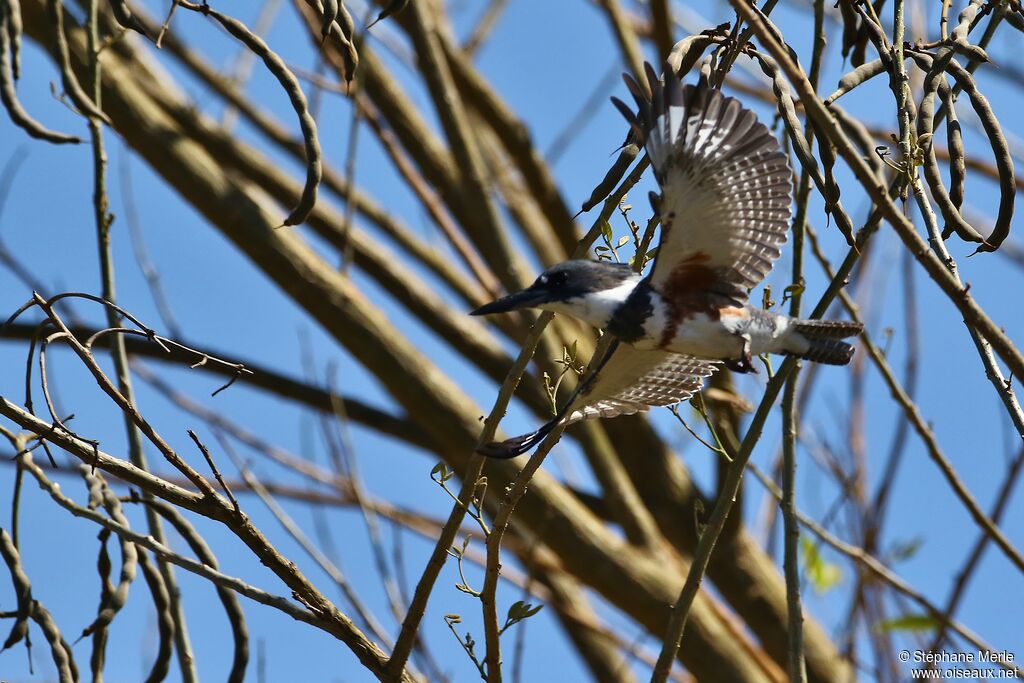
x=504, y=450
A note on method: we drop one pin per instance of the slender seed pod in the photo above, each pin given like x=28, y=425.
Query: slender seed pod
x=335, y=20
x=687, y=51
x=330, y=14
x=957, y=155
x=28, y=608
x=824, y=182
x=22, y=589
x=98, y=660
x=604, y=188
x=345, y=22
x=60, y=650
x=862, y=74
x=966, y=21
x=935, y=81
x=290, y=83
x=14, y=31
x=317, y=6
x=1000, y=151
x=164, y=620
x=954, y=143
x=775, y=32
x=972, y=52
x=9, y=97
x=870, y=32
x=348, y=52
x=828, y=162
x=850, y=29
x=129, y=555
x=232, y=607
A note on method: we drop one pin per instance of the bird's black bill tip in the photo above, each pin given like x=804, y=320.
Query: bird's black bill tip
x=502, y=450
x=487, y=309
x=517, y=445
x=512, y=302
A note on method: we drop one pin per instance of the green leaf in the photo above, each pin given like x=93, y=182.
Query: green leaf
x=453, y=618
x=904, y=550
x=442, y=472
x=515, y=611
x=912, y=623
x=522, y=610
x=606, y=232
x=822, y=575
x=622, y=240
x=794, y=289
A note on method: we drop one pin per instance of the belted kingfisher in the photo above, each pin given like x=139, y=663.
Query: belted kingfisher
x=726, y=189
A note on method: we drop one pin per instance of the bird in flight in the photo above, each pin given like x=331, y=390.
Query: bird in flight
x=726, y=190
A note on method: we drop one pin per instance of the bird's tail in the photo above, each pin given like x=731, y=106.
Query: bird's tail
x=824, y=340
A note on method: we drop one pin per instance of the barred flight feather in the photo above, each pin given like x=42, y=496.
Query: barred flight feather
x=726, y=185
x=633, y=381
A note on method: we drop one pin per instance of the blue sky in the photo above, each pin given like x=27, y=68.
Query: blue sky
x=545, y=58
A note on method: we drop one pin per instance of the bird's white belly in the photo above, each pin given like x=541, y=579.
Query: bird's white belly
x=706, y=337
x=700, y=335
x=731, y=334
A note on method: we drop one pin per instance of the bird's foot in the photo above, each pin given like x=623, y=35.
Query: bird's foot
x=744, y=364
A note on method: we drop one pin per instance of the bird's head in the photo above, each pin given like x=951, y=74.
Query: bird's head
x=586, y=289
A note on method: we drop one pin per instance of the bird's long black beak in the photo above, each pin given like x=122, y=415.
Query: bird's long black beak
x=526, y=298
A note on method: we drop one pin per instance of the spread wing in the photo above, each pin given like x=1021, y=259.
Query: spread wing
x=726, y=188
x=633, y=381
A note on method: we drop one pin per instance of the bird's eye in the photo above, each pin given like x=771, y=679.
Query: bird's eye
x=542, y=280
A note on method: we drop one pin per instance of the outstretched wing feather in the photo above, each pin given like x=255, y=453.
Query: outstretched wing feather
x=726, y=186
x=636, y=380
